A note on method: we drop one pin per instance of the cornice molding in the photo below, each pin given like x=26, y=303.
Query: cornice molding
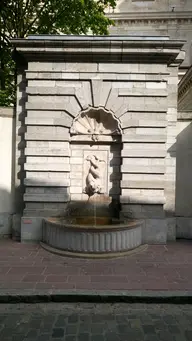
x=8, y=112
x=185, y=84
x=151, y=16
x=184, y=115
x=122, y=49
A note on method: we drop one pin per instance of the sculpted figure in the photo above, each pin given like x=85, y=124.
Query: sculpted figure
x=93, y=179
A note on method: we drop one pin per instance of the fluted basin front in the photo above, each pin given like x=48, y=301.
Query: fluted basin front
x=91, y=236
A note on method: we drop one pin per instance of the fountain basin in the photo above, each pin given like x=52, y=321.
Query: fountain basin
x=79, y=236
x=93, y=221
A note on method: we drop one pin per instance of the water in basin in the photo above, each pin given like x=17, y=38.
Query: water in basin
x=93, y=220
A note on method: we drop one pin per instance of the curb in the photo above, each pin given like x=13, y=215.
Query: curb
x=45, y=296
x=108, y=255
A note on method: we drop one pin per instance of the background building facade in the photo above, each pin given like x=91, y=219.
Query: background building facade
x=156, y=18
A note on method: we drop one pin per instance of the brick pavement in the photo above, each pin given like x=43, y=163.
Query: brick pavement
x=95, y=322
x=28, y=266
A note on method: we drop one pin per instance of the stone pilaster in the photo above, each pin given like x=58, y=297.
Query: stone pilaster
x=18, y=165
x=170, y=175
x=144, y=151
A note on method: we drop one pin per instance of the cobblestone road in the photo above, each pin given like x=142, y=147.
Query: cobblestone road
x=95, y=322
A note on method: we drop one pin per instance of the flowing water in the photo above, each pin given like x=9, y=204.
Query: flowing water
x=94, y=213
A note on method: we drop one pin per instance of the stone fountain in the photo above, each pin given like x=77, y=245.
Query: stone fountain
x=91, y=226
x=96, y=121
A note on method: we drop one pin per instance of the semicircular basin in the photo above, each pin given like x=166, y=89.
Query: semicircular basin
x=87, y=235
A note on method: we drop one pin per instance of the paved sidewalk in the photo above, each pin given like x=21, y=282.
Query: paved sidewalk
x=159, y=268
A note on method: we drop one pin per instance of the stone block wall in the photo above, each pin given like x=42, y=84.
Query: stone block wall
x=139, y=100
x=141, y=95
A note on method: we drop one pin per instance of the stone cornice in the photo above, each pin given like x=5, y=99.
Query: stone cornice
x=149, y=17
x=7, y=112
x=122, y=49
x=184, y=115
x=185, y=84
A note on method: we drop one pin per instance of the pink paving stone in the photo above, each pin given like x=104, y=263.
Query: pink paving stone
x=108, y=286
x=136, y=278
x=109, y=279
x=184, y=274
x=26, y=269
x=11, y=278
x=160, y=267
x=78, y=279
x=4, y=269
x=56, y=278
x=96, y=270
x=127, y=270
x=60, y=285
x=155, y=285
x=33, y=278
x=65, y=270
x=18, y=285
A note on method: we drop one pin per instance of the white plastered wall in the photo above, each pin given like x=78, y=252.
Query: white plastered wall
x=6, y=194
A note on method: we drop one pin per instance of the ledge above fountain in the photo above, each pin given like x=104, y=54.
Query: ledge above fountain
x=84, y=236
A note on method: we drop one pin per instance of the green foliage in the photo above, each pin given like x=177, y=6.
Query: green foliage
x=7, y=78
x=19, y=18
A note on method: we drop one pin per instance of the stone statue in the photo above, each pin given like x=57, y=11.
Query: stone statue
x=93, y=179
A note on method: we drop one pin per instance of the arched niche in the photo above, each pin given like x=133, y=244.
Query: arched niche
x=96, y=122
x=96, y=138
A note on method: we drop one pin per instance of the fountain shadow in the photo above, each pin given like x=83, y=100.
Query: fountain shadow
x=182, y=151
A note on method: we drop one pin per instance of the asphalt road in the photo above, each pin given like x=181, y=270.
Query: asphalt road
x=95, y=322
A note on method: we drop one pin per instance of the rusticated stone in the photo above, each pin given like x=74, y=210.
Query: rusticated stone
x=112, y=101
